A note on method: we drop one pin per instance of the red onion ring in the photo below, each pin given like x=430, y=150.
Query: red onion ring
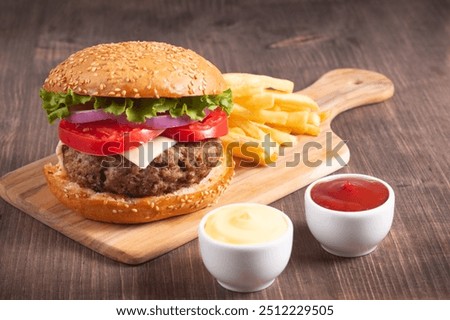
x=85, y=116
x=163, y=121
x=158, y=122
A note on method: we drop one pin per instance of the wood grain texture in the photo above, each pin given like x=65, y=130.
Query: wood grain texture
x=403, y=141
x=311, y=158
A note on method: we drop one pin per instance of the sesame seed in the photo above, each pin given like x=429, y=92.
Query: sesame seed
x=134, y=210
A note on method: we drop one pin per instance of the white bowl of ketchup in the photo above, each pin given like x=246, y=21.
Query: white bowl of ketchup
x=349, y=214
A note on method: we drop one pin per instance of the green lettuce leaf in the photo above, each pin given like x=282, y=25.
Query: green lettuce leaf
x=57, y=105
x=136, y=110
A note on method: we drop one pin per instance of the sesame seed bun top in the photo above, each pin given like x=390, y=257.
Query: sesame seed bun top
x=136, y=69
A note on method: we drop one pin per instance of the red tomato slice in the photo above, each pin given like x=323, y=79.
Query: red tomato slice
x=104, y=137
x=213, y=126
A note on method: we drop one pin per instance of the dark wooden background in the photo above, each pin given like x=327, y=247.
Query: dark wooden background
x=404, y=141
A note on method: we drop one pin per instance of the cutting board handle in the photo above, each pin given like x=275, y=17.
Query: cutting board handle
x=342, y=89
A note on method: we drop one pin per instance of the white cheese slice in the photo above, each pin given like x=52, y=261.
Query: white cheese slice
x=59, y=153
x=143, y=155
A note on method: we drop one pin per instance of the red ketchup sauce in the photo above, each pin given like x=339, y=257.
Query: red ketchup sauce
x=350, y=194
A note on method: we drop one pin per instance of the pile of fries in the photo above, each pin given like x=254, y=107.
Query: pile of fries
x=266, y=114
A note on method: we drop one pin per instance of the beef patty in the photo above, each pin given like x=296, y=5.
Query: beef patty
x=180, y=166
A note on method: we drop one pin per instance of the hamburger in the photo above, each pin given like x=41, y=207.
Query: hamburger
x=139, y=128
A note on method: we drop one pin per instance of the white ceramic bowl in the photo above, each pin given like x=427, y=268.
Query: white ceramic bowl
x=247, y=267
x=349, y=234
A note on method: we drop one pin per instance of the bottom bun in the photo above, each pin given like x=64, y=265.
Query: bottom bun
x=108, y=207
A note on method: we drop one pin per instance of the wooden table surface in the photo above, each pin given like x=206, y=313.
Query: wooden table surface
x=404, y=141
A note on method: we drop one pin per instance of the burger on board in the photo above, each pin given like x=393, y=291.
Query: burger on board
x=139, y=127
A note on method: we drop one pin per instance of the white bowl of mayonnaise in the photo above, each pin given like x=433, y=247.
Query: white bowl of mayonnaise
x=245, y=246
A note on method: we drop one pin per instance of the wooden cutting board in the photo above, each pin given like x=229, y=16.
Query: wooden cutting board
x=312, y=158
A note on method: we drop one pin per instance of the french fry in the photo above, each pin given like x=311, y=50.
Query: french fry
x=257, y=101
x=249, y=127
x=249, y=149
x=314, y=119
x=240, y=85
x=237, y=130
x=275, y=117
x=245, y=82
x=276, y=108
x=281, y=137
x=239, y=111
x=295, y=102
x=297, y=121
x=281, y=128
x=312, y=130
